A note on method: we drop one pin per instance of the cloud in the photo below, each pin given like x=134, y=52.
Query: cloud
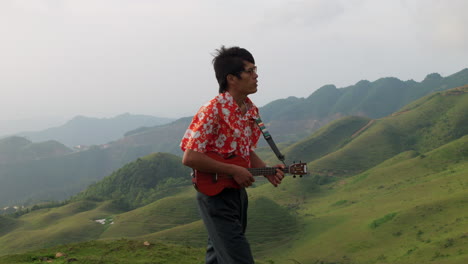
x=440, y=24
x=112, y=56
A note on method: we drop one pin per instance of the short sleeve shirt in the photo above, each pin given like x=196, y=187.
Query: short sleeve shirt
x=220, y=127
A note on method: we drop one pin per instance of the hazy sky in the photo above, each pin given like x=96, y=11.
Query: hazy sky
x=101, y=58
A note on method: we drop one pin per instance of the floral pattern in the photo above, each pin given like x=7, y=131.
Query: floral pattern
x=220, y=127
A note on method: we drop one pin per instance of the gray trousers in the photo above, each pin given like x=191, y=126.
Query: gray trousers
x=225, y=219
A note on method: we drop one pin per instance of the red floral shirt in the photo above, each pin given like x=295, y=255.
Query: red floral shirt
x=220, y=127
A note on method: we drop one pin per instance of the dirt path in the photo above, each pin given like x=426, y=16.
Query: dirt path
x=363, y=128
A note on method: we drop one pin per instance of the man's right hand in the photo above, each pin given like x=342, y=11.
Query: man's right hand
x=243, y=177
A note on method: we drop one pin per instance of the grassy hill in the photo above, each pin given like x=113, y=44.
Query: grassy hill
x=53, y=178
x=110, y=252
x=409, y=209
x=352, y=144
x=140, y=182
x=293, y=118
x=404, y=200
x=328, y=139
x=58, y=177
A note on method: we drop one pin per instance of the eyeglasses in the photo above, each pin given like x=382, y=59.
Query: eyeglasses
x=250, y=70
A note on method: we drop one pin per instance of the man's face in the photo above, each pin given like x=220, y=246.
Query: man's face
x=247, y=83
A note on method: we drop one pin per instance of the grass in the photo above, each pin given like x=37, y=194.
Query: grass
x=326, y=140
x=52, y=226
x=408, y=204
x=409, y=209
x=429, y=124
x=160, y=215
x=412, y=211
x=110, y=252
x=378, y=222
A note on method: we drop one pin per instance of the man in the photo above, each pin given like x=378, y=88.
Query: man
x=226, y=126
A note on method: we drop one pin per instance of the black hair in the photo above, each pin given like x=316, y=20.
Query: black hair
x=230, y=61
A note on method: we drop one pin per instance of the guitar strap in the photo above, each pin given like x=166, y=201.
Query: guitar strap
x=269, y=139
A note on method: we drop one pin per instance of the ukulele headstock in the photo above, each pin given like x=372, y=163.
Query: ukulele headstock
x=298, y=169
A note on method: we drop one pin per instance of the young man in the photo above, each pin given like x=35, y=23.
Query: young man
x=226, y=126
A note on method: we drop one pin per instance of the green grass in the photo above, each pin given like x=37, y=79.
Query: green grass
x=410, y=209
x=111, y=252
x=53, y=226
x=408, y=204
x=163, y=214
x=432, y=122
x=326, y=140
x=378, y=222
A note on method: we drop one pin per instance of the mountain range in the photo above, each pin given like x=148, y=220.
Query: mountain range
x=16, y=149
x=289, y=121
x=82, y=130
x=391, y=189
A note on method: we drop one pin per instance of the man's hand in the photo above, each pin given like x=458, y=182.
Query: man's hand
x=276, y=179
x=243, y=177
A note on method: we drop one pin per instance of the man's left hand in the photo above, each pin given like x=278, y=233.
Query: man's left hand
x=276, y=179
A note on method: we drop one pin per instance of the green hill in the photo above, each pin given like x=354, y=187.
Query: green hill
x=18, y=149
x=116, y=203
x=60, y=176
x=56, y=176
x=53, y=178
x=293, y=118
x=400, y=197
x=110, y=252
x=422, y=126
x=328, y=139
x=409, y=209
x=161, y=215
x=140, y=182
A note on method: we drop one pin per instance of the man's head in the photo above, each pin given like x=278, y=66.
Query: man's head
x=230, y=61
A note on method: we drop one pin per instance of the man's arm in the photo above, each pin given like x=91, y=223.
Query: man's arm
x=257, y=162
x=200, y=161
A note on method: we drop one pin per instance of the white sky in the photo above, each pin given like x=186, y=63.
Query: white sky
x=101, y=58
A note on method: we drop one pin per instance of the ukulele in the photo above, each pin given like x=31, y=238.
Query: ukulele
x=213, y=183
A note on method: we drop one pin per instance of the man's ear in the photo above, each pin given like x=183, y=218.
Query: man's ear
x=231, y=78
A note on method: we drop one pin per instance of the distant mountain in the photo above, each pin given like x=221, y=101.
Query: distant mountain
x=11, y=127
x=294, y=118
x=59, y=177
x=163, y=138
x=289, y=121
x=352, y=145
x=53, y=178
x=409, y=208
x=17, y=149
x=83, y=130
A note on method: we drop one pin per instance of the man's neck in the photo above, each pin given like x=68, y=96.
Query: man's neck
x=239, y=98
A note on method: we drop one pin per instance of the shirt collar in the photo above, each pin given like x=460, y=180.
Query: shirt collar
x=228, y=101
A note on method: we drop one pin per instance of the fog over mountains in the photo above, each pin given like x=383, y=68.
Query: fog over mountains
x=13, y=126
x=83, y=130
x=47, y=170
x=395, y=186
